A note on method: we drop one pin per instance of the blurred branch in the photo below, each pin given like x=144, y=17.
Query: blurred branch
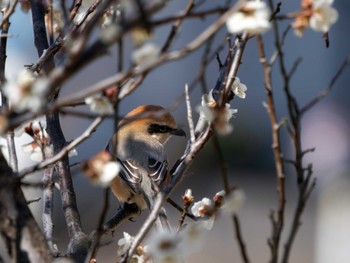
x=13, y=161
x=59, y=75
x=47, y=216
x=8, y=13
x=75, y=9
x=23, y=237
x=190, y=15
x=5, y=25
x=175, y=27
x=328, y=89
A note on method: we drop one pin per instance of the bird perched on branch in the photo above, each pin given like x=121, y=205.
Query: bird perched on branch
x=138, y=145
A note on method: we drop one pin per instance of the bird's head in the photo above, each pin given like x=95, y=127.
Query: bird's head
x=151, y=121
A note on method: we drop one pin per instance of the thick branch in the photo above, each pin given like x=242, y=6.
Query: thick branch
x=18, y=227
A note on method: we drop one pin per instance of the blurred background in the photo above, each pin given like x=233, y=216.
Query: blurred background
x=324, y=235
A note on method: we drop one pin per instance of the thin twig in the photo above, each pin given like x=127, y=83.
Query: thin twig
x=175, y=27
x=65, y=150
x=328, y=89
x=277, y=225
x=180, y=209
x=191, y=15
x=239, y=237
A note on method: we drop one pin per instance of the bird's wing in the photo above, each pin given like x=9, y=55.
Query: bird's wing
x=157, y=170
x=132, y=173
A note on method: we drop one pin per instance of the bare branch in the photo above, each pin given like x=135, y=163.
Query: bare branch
x=23, y=236
x=189, y=115
x=294, y=67
x=8, y=13
x=239, y=237
x=277, y=227
x=179, y=208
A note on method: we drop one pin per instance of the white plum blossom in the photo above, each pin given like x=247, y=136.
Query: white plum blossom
x=319, y=15
x=145, y=55
x=253, y=18
x=36, y=153
x=219, y=117
x=164, y=247
x=109, y=172
x=323, y=15
x=57, y=17
x=101, y=169
x=99, y=104
x=110, y=33
x=26, y=92
x=123, y=246
x=233, y=201
x=124, y=243
x=35, y=125
x=239, y=88
x=3, y=5
x=204, y=209
x=41, y=144
x=192, y=237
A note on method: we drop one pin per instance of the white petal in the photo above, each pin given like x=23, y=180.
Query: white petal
x=233, y=201
x=146, y=55
x=110, y=171
x=255, y=21
x=208, y=223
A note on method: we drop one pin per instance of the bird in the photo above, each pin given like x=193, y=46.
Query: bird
x=138, y=146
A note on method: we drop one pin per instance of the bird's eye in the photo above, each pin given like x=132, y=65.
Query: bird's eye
x=156, y=128
x=163, y=128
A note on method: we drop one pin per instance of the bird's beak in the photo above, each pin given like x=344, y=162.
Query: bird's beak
x=178, y=132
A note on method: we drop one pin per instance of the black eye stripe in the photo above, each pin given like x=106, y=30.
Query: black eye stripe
x=156, y=128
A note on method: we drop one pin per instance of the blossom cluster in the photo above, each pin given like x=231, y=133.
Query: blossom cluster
x=254, y=17
x=26, y=92
x=219, y=116
x=174, y=246
x=101, y=169
x=318, y=14
x=40, y=148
